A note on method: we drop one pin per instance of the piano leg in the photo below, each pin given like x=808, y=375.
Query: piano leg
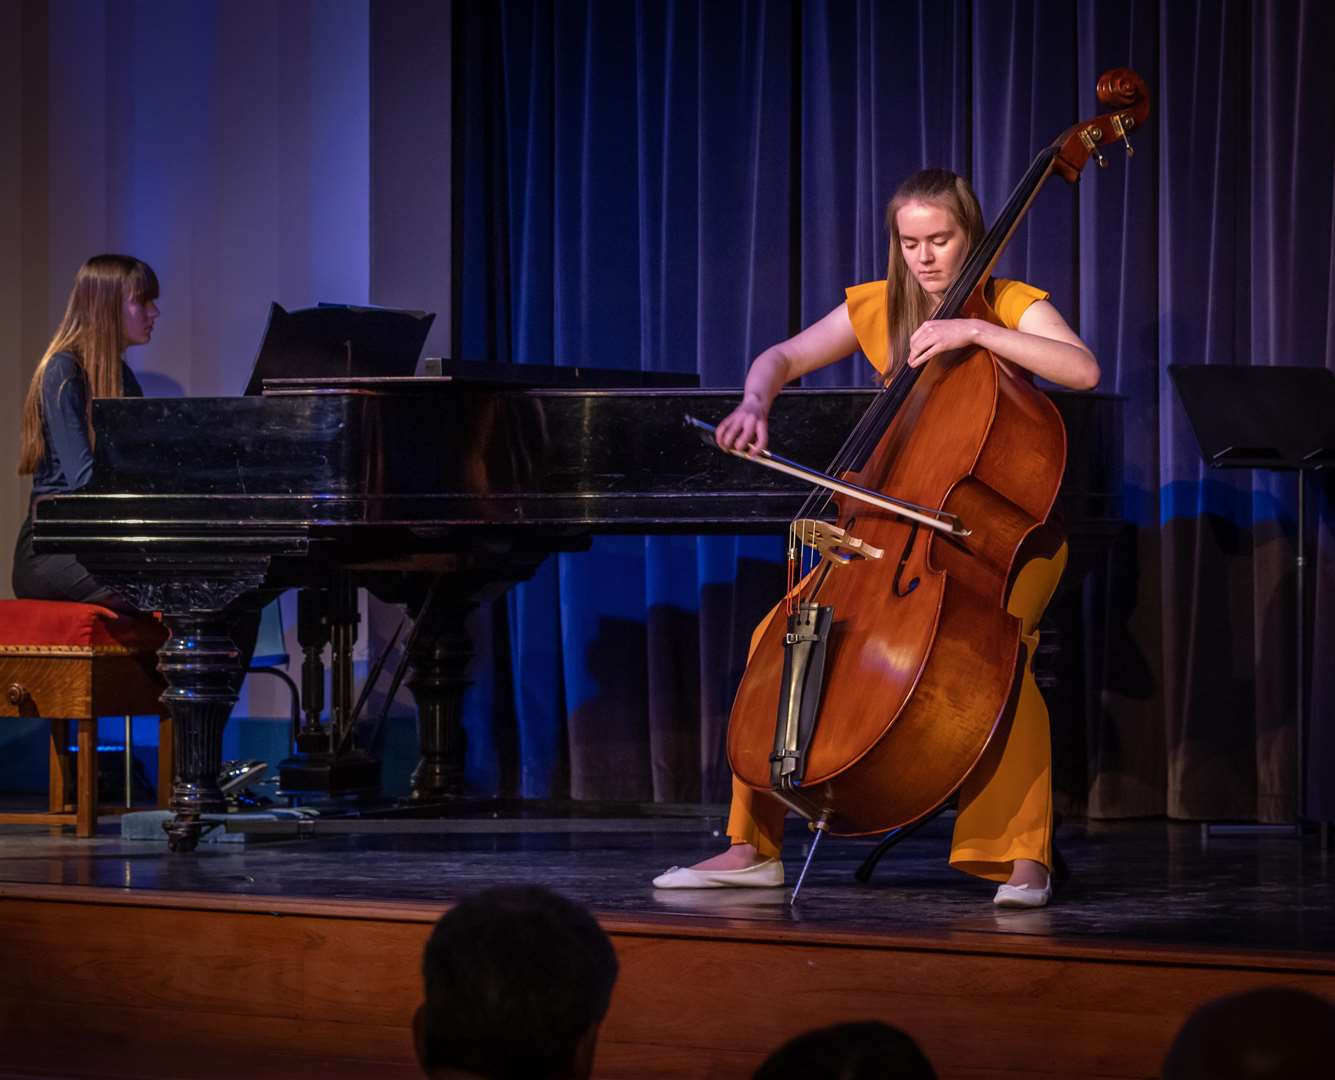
x=201, y=664
x=440, y=657
x=203, y=669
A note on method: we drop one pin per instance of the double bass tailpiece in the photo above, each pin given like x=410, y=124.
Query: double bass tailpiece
x=804, y=646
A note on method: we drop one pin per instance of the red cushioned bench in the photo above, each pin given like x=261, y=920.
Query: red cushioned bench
x=65, y=662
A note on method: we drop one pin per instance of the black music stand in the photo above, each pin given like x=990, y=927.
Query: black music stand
x=1278, y=418
x=339, y=341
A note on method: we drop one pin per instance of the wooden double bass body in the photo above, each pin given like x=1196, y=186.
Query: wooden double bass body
x=922, y=661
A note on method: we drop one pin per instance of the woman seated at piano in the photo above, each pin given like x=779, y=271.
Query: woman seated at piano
x=112, y=307
x=1003, y=830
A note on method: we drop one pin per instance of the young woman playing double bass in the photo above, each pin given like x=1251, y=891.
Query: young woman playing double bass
x=1003, y=830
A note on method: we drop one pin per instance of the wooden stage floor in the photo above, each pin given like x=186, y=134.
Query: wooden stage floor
x=122, y=960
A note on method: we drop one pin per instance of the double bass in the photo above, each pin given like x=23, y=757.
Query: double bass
x=892, y=663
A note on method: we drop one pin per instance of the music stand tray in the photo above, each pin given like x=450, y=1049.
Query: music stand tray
x=1259, y=417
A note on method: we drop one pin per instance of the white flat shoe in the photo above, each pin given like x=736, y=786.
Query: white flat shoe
x=764, y=875
x=1023, y=896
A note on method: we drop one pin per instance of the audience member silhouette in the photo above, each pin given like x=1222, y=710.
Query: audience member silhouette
x=1269, y=1034
x=867, y=1050
x=517, y=980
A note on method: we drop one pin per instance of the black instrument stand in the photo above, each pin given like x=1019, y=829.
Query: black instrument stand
x=1278, y=418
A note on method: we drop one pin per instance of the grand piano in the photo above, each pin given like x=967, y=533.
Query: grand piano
x=438, y=493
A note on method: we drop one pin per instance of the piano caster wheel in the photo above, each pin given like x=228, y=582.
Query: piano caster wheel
x=182, y=836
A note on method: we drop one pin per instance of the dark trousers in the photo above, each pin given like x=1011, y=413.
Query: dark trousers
x=63, y=577
x=59, y=577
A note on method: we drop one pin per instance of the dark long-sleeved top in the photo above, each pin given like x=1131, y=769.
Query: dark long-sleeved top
x=67, y=463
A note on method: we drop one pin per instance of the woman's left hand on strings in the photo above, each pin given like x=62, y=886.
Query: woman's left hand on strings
x=942, y=335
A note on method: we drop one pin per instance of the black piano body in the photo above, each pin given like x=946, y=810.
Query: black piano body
x=452, y=487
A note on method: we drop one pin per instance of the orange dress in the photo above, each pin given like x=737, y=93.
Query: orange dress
x=1005, y=804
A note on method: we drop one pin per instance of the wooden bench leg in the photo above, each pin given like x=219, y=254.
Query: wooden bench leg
x=86, y=803
x=58, y=778
x=166, y=761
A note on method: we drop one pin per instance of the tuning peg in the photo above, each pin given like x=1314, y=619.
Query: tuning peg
x=1090, y=137
x=1121, y=126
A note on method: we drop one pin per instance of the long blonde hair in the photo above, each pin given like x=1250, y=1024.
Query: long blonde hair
x=92, y=331
x=907, y=304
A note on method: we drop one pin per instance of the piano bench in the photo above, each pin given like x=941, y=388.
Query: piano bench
x=64, y=662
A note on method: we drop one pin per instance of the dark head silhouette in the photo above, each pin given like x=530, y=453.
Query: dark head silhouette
x=518, y=980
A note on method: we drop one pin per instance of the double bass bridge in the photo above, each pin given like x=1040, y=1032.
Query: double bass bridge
x=835, y=545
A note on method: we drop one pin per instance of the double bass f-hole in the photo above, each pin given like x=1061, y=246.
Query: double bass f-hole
x=900, y=590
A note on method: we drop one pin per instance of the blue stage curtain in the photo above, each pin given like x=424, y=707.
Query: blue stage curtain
x=674, y=186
